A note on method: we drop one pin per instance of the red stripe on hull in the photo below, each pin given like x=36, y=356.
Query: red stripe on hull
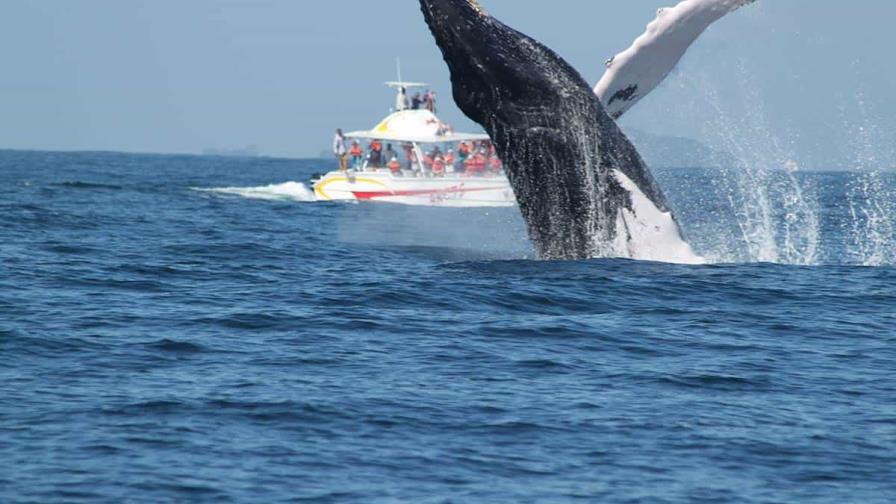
x=366, y=195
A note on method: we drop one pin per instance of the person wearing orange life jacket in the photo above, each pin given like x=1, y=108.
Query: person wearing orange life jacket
x=394, y=166
x=438, y=166
x=476, y=164
x=357, y=153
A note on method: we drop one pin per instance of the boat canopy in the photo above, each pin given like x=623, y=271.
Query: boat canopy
x=419, y=126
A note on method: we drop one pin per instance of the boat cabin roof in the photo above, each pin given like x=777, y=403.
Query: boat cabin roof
x=418, y=126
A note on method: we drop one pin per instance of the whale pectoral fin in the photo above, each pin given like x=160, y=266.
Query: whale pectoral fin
x=655, y=53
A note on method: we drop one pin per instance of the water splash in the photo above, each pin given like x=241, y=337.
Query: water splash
x=288, y=191
x=871, y=207
x=872, y=201
x=775, y=210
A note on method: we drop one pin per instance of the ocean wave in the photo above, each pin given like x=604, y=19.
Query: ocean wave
x=289, y=191
x=78, y=184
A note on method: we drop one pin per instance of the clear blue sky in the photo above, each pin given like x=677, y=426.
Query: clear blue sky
x=186, y=75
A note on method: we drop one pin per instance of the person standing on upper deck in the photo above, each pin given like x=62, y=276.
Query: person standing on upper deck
x=401, y=101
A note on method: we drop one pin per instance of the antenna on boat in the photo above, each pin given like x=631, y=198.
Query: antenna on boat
x=400, y=83
x=401, y=101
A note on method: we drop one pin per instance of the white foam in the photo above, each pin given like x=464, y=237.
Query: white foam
x=288, y=191
x=776, y=212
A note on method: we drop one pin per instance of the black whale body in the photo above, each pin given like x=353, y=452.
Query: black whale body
x=557, y=142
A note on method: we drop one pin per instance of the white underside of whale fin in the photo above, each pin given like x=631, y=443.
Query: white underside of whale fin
x=635, y=72
x=646, y=233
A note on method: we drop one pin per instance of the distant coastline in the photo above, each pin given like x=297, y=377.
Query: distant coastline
x=250, y=151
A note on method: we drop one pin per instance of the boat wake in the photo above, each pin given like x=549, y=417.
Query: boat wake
x=287, y=191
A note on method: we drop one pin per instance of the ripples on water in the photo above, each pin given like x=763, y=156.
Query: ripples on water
x=159, y=343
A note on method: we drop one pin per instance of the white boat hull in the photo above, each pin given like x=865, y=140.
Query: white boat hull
x=453, y=190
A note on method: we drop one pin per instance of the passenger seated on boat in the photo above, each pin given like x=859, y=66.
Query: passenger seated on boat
x=495, y=165
x=427, y=161
x=475, y=165
x=438, y=166
x=375, y=158
x=390, y=153
x=394, y=166
x=463, y=152
x=409, y=155
x=357, y=153
x=449, y=161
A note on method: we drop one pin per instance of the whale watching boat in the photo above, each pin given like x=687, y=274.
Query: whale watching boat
x=413, y=158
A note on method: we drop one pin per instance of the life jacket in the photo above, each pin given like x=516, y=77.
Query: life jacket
x=476, y=164
x=449, y=159
x=427, y=160
x=496, y=164
x=394, y=166
x=376, y=146
x=356, y=150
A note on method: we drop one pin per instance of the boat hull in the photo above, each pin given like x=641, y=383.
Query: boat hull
x=450, y=191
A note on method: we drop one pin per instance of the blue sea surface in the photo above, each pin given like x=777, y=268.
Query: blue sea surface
x=188, y=329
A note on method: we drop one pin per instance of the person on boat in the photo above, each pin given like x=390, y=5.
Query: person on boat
x=375, y=158
x=415, y=163
x=401, y=102
x=409, y=155
x=463, y=152
x=476, y=164
x=430, y=98
x=449, y=160
x=390, y=153
x=416, y=101
x=495, y=165
x=427, y=161
x=394, y=166
x=438, y=166
x=357, y=153
x=339, y=150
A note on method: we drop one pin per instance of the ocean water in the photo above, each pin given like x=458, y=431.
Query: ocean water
x=195, y=329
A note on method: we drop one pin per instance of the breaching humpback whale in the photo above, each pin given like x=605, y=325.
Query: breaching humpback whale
x=582, y=188
x=638, y=70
